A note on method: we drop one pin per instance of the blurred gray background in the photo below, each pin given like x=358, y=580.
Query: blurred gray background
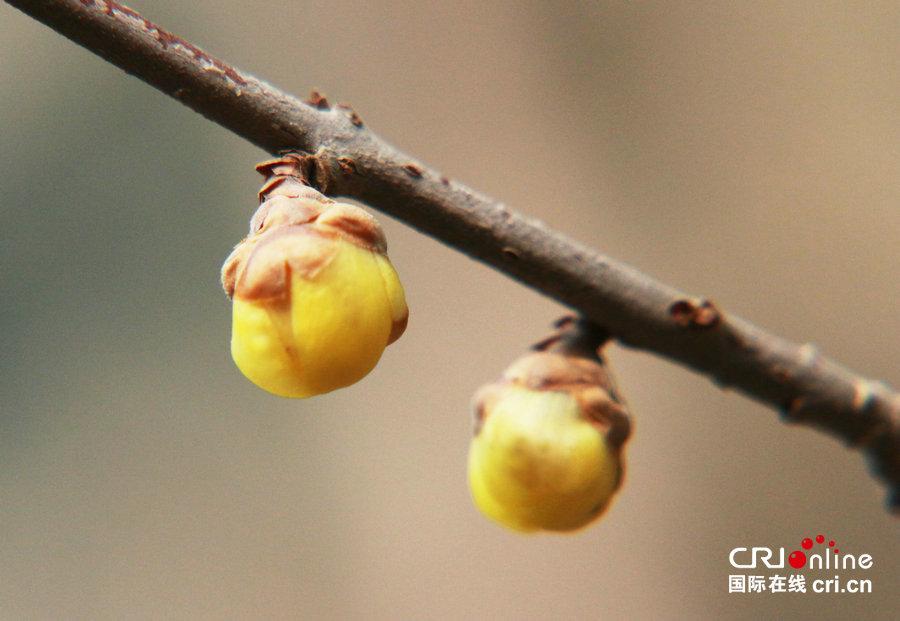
x=749, y=152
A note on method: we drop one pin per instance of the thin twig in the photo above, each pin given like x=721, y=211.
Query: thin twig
x=352, y=161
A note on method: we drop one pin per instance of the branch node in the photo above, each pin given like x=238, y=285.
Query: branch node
x=695, y=314
x=317, y=100
x=348, y=166
x=412, y=170
x=352, y=115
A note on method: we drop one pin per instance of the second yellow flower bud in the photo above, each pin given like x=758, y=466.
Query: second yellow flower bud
x=547, y=449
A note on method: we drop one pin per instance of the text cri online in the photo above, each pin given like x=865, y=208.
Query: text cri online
x=748, y=558
x=761, y=557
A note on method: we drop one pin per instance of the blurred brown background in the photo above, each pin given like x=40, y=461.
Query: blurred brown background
x=748, y=152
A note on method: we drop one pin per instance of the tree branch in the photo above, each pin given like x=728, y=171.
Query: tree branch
x=352, y=161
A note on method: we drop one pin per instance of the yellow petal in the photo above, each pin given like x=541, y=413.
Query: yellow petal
x=396, y=298
x=538, y=463
x=328, y=333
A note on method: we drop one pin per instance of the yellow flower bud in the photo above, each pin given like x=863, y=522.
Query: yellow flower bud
x=316, y=299
x=547, y=450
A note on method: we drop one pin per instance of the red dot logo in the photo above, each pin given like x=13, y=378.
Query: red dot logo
x=797, y=559
x=806, y=543
x=819, y=538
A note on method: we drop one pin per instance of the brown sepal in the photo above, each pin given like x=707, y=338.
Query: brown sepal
x=296, y=230
x=263, y=268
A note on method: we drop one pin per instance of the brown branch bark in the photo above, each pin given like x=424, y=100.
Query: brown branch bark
x=805, y=386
